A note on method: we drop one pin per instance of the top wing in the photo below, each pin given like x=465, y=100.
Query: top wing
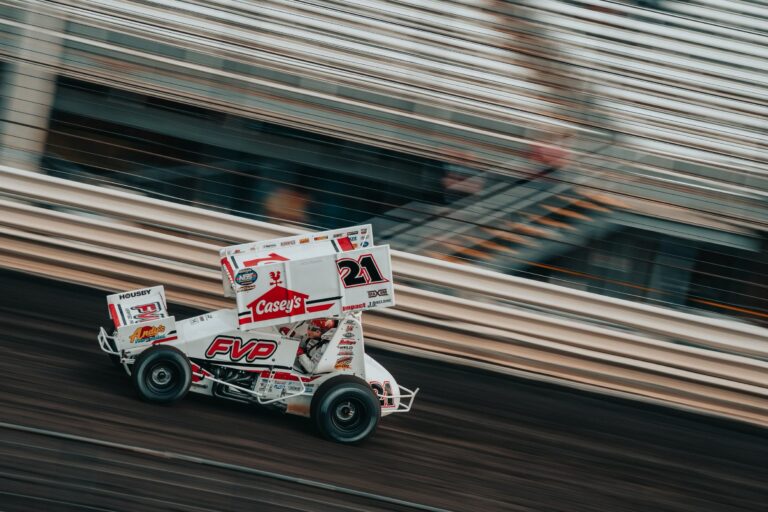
x=308, y=276
x=238, y=261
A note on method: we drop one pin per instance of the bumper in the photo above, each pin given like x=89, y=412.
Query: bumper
x=107, y=343
x=405, y=400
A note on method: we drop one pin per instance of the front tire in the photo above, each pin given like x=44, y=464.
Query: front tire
x=161, y=375
x=346, y=410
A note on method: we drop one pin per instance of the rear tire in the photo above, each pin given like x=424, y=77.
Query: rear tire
x=345, y=410
x=161, y=375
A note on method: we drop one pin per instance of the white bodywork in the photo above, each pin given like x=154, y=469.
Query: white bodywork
x=248, y=353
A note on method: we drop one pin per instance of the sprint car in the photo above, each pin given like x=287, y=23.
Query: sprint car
x=249, y=353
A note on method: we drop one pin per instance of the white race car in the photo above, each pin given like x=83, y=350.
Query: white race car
x=294, y=341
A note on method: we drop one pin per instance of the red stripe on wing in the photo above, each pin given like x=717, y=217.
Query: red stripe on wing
x=321, y=307
x=163, y=340
x=113, y=314
x=225, y=262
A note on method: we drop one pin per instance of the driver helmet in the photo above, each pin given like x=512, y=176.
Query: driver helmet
x=322, y=325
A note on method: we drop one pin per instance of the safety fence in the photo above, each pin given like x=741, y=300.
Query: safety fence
x=663, y=111
x=683, y=90
x=115, y=240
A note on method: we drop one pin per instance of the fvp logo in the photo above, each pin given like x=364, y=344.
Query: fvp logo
x=237, y=350
x=145, y=312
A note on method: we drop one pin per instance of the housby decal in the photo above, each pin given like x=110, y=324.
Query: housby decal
x=137, y=293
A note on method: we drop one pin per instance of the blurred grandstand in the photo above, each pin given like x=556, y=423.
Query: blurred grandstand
x=613, y=147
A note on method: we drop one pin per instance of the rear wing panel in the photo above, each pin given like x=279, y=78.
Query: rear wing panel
x=321, y=286
x=137, y=306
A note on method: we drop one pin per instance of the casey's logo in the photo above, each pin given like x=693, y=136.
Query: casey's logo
x=145, y=333
x=278, y=302
x=238, y=350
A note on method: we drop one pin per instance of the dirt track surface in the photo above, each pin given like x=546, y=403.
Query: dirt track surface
x=476, y=441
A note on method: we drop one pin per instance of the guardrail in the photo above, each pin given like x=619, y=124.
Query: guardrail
x=710, y=365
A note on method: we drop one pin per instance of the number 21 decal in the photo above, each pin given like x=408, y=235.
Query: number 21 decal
x=359, y=272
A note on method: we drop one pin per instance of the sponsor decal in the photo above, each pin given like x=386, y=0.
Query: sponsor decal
x=201, y=318
x=347, y=342
x=364, y=231
x=246, y=276
x=384, y=392
x=238, y=350
x=345, y=244
x=353, y=306
x=343, y=363
x=348, y=335
x=350, y=327
x=293, y=387
x=278, y=302
x=318, y=238
x=146, y=312
x=137, y=293
x=374, y=303
x=364, y=244
x=345, y=352
x=372, y=294
x=287, y=243
x=338, y=235
x=360, y=272
x=147, y=333
x=304, y=241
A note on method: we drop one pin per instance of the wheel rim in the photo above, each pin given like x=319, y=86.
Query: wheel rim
x=348, y=414
x=162, y=377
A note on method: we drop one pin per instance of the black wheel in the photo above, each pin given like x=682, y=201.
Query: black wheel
x=346, y=410
x=161, y=375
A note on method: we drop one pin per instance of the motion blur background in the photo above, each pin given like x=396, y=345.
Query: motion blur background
x=613, y=147
x=582, y=183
